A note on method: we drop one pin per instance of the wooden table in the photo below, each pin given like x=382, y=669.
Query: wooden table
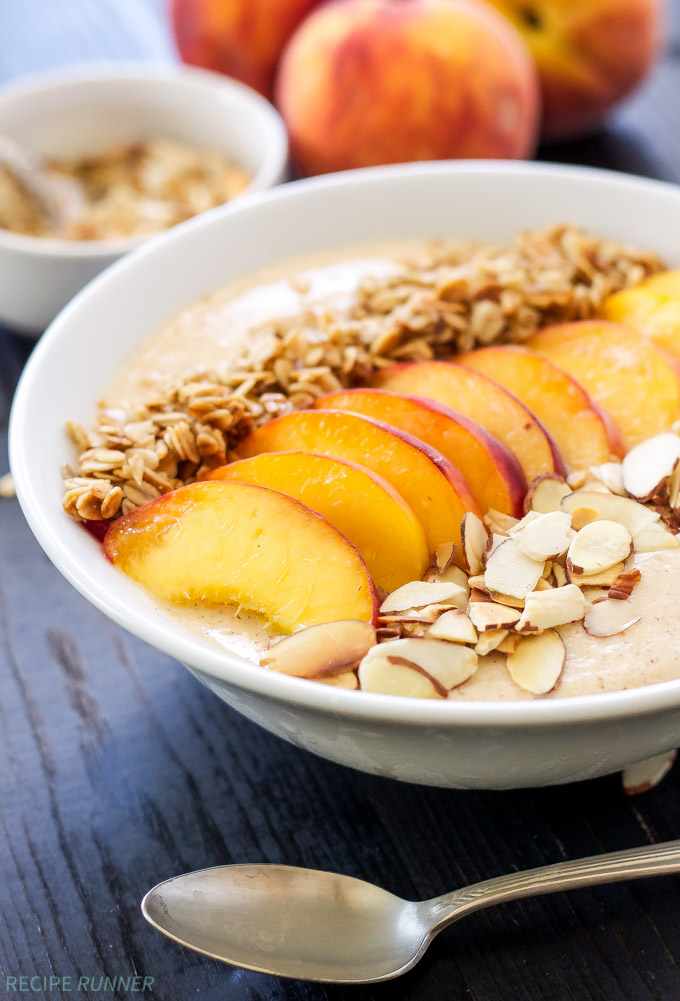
x=117, y=769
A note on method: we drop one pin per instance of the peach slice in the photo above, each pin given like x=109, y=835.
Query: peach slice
x=434, y=489
x=633, y=379
x=223, y=543
x=584, y=433
x=360, y=504
x=494, y=474
x=482, y=400
x=653, y=309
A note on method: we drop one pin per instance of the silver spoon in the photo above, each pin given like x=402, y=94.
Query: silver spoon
x=60, y=198
x=315, y=925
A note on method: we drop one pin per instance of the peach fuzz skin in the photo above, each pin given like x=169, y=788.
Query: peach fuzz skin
x=367, y=82
x=242, y=38
x=432, y=487
x=589, y=53
x=492, y=471
x=221, y=543
x=360, y=504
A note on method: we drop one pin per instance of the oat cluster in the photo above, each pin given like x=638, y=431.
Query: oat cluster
x=451, y=299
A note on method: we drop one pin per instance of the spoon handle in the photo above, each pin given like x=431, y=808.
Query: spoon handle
x=634, y=863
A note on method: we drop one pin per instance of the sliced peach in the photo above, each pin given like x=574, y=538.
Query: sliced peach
x=494, y=474
x=220, y=543
x=363, y=507
x=633, y=379
x=429, y=483
x=584, y=433
x=476, y=396
x=653, y=309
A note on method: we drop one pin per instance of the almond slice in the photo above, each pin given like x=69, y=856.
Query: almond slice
x=523, y=522
x=609, y=617
x=624, y=584
x=546, y=537
x=545, y=493
x=582, y=516
x=347, y=680
x=648, y=465
x=417, y=593
x=560, y=575
x=611, y=474
x=454, y=626
x=604, y=579
x=507, y=599
x=673, y=487
x=537, y=662
x=492, y=545
x=644, y=775
x=510, y=572
x=443, y=556
x=474, y=539
x=576, y=478
x=378, y=674
x=486, y=615
x=488, y=642
x=321, y=651
x=452, y=575
x=444, y=665
x=624, y=510
x=598, y=546
x=654, y=538
x=498, y=522
x=556, y=607
x=509, y=644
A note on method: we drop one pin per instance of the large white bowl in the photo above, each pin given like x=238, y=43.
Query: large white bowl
x=464, y=744
x=79, y=111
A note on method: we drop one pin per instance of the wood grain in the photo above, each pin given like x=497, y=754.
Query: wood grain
x=117, y=769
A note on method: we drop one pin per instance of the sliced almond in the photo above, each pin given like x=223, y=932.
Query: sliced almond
x=609, y=617
x=582, y=516
x=523, y=522
x=598, y=546
x=507, y=599
x=544, y=585
x=387, y=632
x=492, y=545
x=604, y=579
x=486, y=615
x=624, y=510
x=546, y=537
x=432, y=612
x=611, y=474
x=649, y=464
x=624, y=584
x=443, y=556
x=673, y=487
x=445, y=665
x=556, y=607
x=474, y=538
x=510, y=572
x=509, y=644
x=347, y=680
x=576, y=478
x=452, y=575
x=454, y=626
x=654, y=538
x=421, y=592
x=377, y=673
x=537, y=662
x=560, y=575
x=321, y=651
x=644, y=775
x=498, y=522
x=478, y=581
x=488, y=642
x=545, y=493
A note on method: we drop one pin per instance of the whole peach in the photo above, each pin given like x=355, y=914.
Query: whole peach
x=242, y=38
x=365, y=82
x=590, y=54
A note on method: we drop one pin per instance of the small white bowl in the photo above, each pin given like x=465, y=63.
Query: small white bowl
x=463, y=744
x=91, y=108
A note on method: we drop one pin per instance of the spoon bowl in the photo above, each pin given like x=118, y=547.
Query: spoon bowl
x=314, y=925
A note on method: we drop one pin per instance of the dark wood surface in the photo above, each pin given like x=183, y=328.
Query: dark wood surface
x=117, y=769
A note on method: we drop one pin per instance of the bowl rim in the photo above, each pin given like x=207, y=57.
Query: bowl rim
x=270, y=172
x=224, y=666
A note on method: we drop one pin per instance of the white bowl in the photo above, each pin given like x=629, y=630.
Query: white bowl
x=462, y=744
x=83, y=110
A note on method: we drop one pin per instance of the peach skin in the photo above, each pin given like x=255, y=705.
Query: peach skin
x=483, y=401
x=653, y=309
x=366, y=82
x=584, y=433
x=589, y=53
x=234, y=543
x=431, y=486
x=241, y=38
x=634, y=380
x=360, y=504
x=494, y=474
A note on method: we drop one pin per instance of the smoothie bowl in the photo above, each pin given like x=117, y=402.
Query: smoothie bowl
x=358, y=465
